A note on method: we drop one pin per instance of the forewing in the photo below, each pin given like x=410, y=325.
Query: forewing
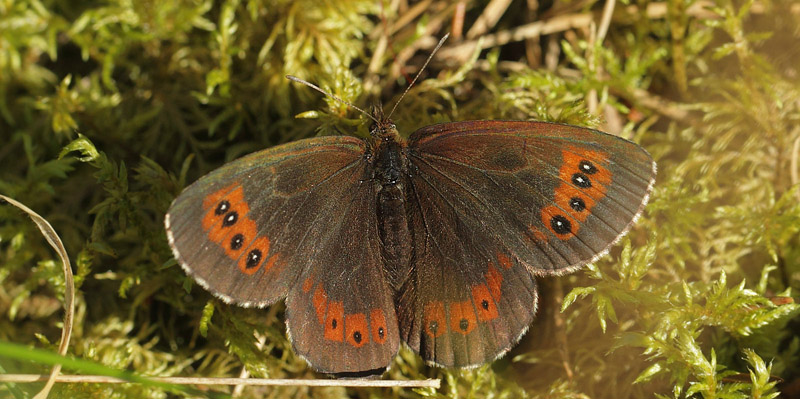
x=557, y=195
x=539, y=198
x=264, y=227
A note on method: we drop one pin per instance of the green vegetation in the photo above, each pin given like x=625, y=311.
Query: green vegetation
x=109, y=108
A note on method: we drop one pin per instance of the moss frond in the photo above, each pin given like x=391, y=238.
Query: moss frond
x=109, y=109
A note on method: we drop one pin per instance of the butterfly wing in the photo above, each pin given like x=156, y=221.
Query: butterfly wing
x=496, y=203
x=342, y=319
x=271, y=225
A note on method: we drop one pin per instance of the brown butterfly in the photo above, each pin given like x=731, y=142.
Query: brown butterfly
x=434, y=240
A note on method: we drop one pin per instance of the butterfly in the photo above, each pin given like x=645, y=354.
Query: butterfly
x=434, y=241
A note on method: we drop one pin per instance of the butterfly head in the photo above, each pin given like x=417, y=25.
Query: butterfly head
x=383, y=128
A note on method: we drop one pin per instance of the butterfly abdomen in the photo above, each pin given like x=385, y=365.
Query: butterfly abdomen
x=389, y=172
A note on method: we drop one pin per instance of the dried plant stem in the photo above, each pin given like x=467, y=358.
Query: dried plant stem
x=794, y=164
x=605, y=21
x=597, y=38
x=533, y=50
x=244, y=374
x=561, y=333
x=100, y=379
x=457, y=26
x=662, y=106
x=535, y=29
x=591, y=96
x=426, y=39
x=491, y=14
x=69, y=290
x=567, y=22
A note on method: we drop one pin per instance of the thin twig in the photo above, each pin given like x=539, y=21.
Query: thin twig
x=535, y=29
x=533, y=49
x=591, y=96
x=410, y=15
x=597, y=37
x=660, y=105
x=794, y=164
x=566, y=22
x=457, y=26
x=427, y=38
x=489, y=17
x=100, y=379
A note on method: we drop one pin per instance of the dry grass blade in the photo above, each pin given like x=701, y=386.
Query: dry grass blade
x=101, y=379
x=69, y=290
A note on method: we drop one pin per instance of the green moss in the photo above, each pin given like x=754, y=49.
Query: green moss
x=108, y=109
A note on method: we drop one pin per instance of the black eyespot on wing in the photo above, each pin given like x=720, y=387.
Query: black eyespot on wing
x=230, y=219
x=577, y=204
x=222, y=207
x=560, y=224
x=253, y=259
x=237, y=241
x=580, y=180
x=587, y=167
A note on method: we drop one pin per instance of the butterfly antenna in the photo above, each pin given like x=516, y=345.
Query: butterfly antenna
x=317, y=88
x=438, y=46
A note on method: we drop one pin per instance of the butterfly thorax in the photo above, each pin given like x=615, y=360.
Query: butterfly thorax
x=389, y=171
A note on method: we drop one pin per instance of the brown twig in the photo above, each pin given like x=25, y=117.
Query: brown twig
x=567, y=22
x=489, y=17
x=597, y=37
x=661, y=105
x=535, y=29
x=427, y=40
x=533, y=50
x=457, y=26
